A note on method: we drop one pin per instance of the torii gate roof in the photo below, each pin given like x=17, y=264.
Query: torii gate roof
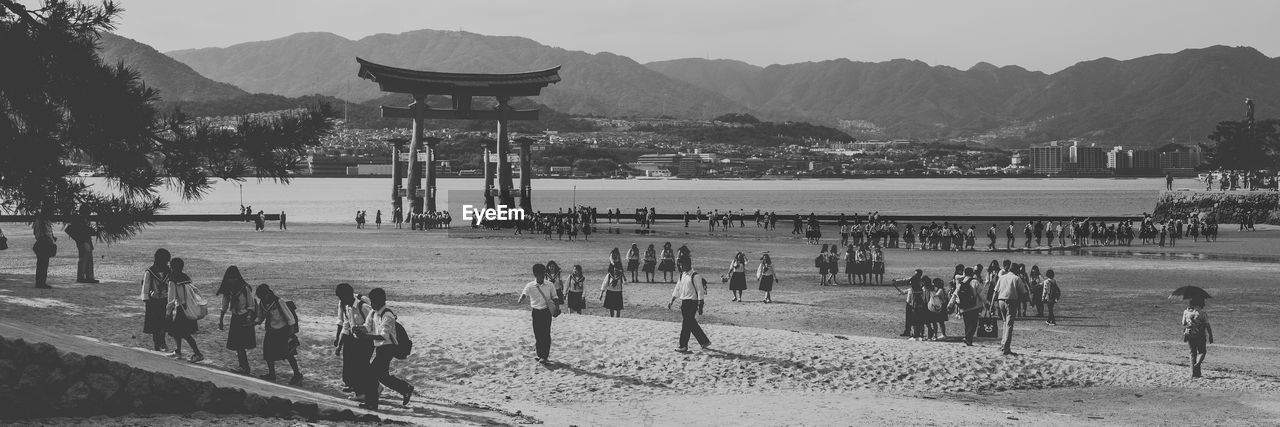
x=400, y=80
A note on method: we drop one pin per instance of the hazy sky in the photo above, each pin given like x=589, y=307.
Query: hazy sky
x=1039, y=35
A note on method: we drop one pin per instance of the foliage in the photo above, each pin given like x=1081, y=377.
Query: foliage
x=60, y=101
x=742, y=118
x=764, y=134
x=1240, y=146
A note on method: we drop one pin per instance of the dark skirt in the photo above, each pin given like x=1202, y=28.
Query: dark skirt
x=667, y=265
x=738, y=281
x=181, y=326
x=576, y=302
x=241, y=335
x=613, y=300
x=877, y=268
x=633, y=264
x=276, y=344
x=649, y=266
x=766, y=283
x=864, y=267
x=154, y=321
x=833, y=267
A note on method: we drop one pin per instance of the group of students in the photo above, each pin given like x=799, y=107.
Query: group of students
x=260, y=219
x=544, y=296
x=1239, y=180
x=366, y=326
x=1007, y=290
x=860, y=262
x=174, y=306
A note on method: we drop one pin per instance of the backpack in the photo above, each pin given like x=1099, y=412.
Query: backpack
x=201, y=308
x=819, y=261
x=1054, y=292
x=404, y=345
x=293, y=310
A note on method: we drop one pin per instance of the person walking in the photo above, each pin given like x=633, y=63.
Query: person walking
x=280, y=340
x=1006, y=297
x=381, y=327
x=1051, y=295
x=541, y=311
x=1196, y=332
x=353, y=312
x=180, y=310
x=765, y=274
x=155, y=297
x=377, y=219
x=611, y=291
x=737, y=275
x=917, y=306
x=238, y=299
x=691, y=297
x=284, y=222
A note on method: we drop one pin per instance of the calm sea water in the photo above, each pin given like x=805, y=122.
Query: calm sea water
x=335, y=200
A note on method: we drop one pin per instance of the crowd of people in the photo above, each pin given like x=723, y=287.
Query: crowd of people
x=548, y=291
x=1006, y=291
x=1232, y=180
x=259, y=219
x=367, y=336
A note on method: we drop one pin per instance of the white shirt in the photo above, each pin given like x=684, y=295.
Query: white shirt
x=383, y=323
x=687, y=289
x=537, y=297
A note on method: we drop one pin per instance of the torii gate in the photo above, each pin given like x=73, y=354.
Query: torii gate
x=461, y=88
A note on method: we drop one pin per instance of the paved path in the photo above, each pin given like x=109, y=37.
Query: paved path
x=417, y=412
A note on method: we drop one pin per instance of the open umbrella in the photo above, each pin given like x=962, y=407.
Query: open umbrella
x=1190, y=292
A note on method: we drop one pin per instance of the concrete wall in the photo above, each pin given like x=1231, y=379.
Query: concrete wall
x=1262, y=206
x=38, y=380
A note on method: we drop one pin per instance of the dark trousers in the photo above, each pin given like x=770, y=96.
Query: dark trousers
x=355, y=360
x=42, y=271
x=379, y=372
x=689, y=324
x=542, y=332
x=84, y=264
x=970, y=325
x=1051, y=318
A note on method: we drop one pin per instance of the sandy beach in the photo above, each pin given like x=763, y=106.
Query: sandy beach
x=818, y=355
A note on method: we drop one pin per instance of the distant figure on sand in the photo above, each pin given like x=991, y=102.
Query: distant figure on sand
x=691, y=297
x=1196, y=332
x=633, y=261
x=377, y=219
x=650, y=263
x=284, y=225
x=611, y=291
x=737, y=275
x=575, y=289
x=668, y=263
x=766, y=276
x=82, y=233
x=541, y=309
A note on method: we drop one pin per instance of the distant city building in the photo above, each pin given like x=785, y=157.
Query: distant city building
x=1048, y=159
x=1017, y=161
x=1185, y=157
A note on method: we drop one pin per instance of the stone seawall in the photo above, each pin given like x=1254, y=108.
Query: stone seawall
x=37, y=381
x=1228, y=207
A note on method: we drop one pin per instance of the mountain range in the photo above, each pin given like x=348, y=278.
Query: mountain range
x=175, y=80
x=1142, y=101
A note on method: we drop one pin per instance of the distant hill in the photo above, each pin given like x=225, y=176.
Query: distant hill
x=324, y=63
x=1142, y=101
x=175, y=80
